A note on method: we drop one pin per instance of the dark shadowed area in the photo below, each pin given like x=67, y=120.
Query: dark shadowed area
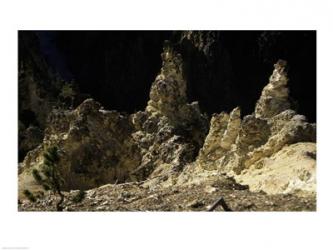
x=118, y=67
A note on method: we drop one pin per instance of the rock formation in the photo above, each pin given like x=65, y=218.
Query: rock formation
x=291, y=169
x=101, y=146
x=274, y=97
x=96, y=148
x=261, y=140
x=171, y=145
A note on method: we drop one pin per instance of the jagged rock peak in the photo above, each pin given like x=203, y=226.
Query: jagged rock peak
x=211, y=148
x=168, y=91
x=275, y=95
x=232, y=130
x=168, y=98
x=224, y=129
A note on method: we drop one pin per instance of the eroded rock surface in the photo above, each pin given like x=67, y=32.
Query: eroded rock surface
x=100, y=146
x=170, y=131
x=263, y=140
x=95, y=144
x=291, y=169
x=275, y=95
x=166, y=150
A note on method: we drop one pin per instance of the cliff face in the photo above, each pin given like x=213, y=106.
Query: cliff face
x=170, y=148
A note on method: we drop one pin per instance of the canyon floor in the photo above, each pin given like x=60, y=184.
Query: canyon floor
x=136, y=197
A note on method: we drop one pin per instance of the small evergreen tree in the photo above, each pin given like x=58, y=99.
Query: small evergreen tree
x=29, y=195
x=51, y=179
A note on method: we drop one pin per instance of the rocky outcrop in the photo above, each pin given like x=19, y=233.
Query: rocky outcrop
x=168, y=97
x=274, y=97
x=95, y=144
x=222, y=135
x=170, y=131
x=100, y=146
x=211, y=150
x=232, y=130
x=167, y=145
x=289, y=170
x=261, y=141
x=294, y=129
x=164, y=150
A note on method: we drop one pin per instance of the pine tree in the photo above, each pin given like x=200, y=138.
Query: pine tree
x=29, y=195
x=51, y=179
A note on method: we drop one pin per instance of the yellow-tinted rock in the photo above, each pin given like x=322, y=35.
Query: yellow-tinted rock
x=291, y=169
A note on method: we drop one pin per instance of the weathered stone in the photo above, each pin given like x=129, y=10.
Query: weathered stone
x=159, y=146
x=101, y=146
x=294, y=130
x=96, y=145
x=170, y=131
x=291, y=169
x=168, y=91
x=274, y=97
x=211, y=149
x=168, y=97
x=232, y=130
x=253, y=133
x=239, y=147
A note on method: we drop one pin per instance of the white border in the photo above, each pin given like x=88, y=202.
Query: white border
x=164, y=230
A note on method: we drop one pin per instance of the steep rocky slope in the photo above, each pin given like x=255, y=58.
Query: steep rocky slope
x=167, y=157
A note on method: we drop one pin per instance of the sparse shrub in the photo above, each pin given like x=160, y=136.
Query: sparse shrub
x=79, y=196
x=51, y=179
x=29, y=195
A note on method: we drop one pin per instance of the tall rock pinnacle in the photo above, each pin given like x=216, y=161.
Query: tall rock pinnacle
x=168, y=91
x=274, y=97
